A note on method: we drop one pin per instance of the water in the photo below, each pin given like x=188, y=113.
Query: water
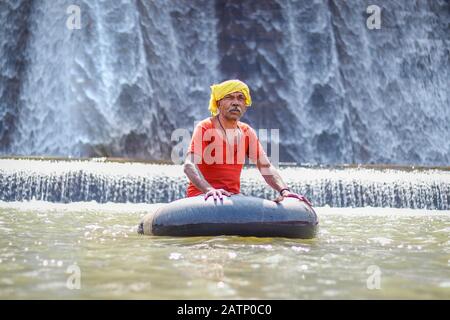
x=57, y=216
x=409, y=250
x=338, y=91
x=104, y=181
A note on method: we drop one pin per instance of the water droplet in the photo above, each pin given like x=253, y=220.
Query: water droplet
x=299, y=249
x=175, y=256
x=220, y=284
x=45, y=263
x=59, y=263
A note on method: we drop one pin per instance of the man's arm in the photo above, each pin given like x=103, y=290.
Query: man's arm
x=273, y=178
x=195, y=176
x=270, y=173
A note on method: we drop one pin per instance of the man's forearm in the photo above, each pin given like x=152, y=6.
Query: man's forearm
x=196, y=177
x=273, y=178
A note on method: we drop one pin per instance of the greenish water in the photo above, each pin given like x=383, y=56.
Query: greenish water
x=359, y=253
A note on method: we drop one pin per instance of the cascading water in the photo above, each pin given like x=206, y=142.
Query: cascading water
x=74, y=181
x=136, y=70
x=108, y=87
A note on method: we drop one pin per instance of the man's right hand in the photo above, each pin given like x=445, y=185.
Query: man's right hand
x=217, y=193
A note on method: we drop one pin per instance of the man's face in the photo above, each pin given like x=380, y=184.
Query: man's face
x=232, y=106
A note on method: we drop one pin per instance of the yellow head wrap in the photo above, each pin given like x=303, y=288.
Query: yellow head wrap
x=218, y=91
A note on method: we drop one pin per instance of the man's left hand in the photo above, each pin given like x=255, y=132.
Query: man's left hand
x=288, y=194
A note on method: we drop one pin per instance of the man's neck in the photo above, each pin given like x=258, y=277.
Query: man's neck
x=227, y=123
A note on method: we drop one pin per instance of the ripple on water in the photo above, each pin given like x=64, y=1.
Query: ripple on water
x=381, y=240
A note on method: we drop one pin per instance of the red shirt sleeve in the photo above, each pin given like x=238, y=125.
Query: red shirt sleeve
x=255, y=150
x=197, y=144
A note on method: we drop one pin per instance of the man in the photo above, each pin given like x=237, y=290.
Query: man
x=220, y=144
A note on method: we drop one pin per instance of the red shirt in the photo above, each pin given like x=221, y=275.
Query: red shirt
x=221, y=161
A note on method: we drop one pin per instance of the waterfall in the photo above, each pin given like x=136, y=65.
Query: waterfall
x=137, y=70
x=102, y=181
x=13, y=42
x=109, y=87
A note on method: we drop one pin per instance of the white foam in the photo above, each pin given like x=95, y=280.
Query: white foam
x=92, y=206
x=110, y=207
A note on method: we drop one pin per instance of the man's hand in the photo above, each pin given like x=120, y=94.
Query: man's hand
x=288, y=194
x=217, y=193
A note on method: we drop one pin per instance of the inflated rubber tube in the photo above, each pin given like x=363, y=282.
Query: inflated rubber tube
x=236, y=215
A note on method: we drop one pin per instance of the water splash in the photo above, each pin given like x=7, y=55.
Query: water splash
x=102, y=182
